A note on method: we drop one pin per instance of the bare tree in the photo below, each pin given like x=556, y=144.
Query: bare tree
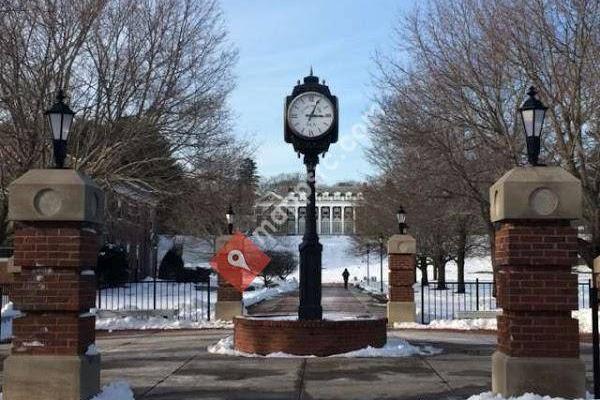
x=148, y=80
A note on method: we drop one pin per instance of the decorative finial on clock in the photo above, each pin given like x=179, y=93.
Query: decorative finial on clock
x=298, y=82
x=311, y=71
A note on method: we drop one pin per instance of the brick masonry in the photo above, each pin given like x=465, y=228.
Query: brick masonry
x=52, y=291
x=401, y=277
x=319, y=337
x=227, y=292
x=536, y=288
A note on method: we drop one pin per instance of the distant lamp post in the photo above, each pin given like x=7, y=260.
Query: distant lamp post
x=401, y=217
x=533, y=112
x=381, y=263
x=60, y=118
x=230, y=216
x=368, y=273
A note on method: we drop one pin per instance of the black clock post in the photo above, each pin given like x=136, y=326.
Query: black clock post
x=311, y=125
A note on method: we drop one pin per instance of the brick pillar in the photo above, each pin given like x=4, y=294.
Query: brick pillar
x=57, y=216
x=229, y=299
x=401, y=266
x=536, y=246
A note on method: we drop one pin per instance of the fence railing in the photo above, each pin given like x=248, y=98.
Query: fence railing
x=186, y=300
x=435, y=301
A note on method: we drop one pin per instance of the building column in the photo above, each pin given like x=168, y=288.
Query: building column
x=57, y=215
x=535, y=248
x=401, y=266
x=297, y=221
x=343, y=207
x=229, y=300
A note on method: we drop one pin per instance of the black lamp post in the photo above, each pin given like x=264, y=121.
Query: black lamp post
x=368, y=272
x=401, y=217
x=60, y=117
x=230, y=215
x=533, y=112
x=381, y=263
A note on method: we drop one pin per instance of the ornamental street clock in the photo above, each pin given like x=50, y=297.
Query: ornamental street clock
x=310, y=125
x=311, y=117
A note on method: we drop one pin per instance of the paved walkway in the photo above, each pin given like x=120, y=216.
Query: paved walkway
x=334, y=300
x=174, y=365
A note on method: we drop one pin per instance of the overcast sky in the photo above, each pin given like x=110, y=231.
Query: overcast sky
x=278, y=41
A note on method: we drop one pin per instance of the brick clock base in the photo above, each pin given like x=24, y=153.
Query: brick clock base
x=320, y=337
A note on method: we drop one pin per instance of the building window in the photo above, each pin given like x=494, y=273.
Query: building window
x=337, y=221
x=348, y=220
x=325, y=221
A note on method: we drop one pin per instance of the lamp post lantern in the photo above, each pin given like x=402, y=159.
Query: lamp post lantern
x=230, y=215
x=533, y=112
x=401, y=217
x=60, y=118
x=381, y=263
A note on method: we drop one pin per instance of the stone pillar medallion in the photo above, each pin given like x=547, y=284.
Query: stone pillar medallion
x=57, y=214
x=535, y=248
x=229, y=299
x=401, y=265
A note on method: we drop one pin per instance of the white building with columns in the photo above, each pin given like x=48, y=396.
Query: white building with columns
x=336, y=212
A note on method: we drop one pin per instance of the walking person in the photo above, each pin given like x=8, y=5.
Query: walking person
x=346, y=275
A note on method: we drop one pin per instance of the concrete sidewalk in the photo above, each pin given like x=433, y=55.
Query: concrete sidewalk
x=173, y=365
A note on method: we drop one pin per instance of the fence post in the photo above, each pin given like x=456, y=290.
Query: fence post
x=422, y=303
x=154, y=291
x=99, y=297
x=477, y=293
x=208, y=300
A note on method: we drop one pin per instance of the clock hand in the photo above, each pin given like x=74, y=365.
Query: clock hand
x=312, y=113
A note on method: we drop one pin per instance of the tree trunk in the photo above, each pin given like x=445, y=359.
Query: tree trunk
x=460, y=259
x=440, y=266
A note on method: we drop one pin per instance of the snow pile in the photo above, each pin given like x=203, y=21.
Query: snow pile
x=115, y=391
x=526, y=396
x=265, y=293
x=585, y=319
x=488, y=324
x=8, y=311
x=395, y=347
x=156, y=323
x=92, y=350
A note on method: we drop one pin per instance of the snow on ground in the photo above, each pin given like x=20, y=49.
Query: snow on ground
x=265, y=293
x=455, y=324
x=395, y=347
x=156, y=323
x=584, y=316
x=184, y=307
x=526, y=396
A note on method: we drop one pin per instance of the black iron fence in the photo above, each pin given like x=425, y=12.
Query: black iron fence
x=435, y=301
x=181, y=300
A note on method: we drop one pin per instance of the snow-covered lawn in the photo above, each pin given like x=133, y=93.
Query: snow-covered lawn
x=584, y=317
x=265, y=293
x=395, y=347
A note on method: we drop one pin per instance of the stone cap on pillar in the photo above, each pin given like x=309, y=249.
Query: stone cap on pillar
x=536, y=193
x=402, y=244
x=55, y=195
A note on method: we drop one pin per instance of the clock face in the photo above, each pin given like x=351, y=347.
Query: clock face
x=310, y=114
